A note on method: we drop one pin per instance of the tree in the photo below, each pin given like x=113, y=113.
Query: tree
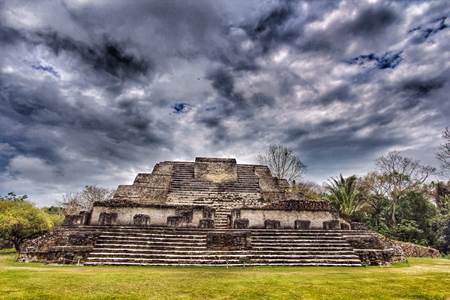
x=13, y=197
x=398, y=175
x=444, y=151
x=73, y=203
x=282, y=162
x=20, y=220
x=309, y=190
x=344, y=195
x=371, y=189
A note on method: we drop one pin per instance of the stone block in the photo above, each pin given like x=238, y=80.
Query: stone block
x=302, y=224
x=215, y=169
x=241, y=223
x=228, y=240
x=206, y=223
x=207, y=212
x=141, y=220
x=186, y=213
x=107, y=218
x=345, y=226
x=80, y=219
x=175, y=221
x=358, y=226
x=333, y=224
x=272, y=224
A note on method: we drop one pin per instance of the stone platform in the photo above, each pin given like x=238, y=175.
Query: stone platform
x=211, y=211
x=130, y=245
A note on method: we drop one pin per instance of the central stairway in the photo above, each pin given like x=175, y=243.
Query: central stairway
x=221, y=218
x=127, y=245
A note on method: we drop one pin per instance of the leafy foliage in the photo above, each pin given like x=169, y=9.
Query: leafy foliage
x=309, y=190
x=344, y=195
x=20, y=220
x=398, y=175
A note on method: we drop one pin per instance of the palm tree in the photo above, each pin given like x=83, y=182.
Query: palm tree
x=344, y=195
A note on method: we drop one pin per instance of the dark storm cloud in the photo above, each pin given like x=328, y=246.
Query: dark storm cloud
x=90, y=92
x=388, y=60
x=40, y=107
x=107, y=56
x=372, y=20
x=181, y=107
x=341, y=93
x=325, y=141
x=223, y=82
x=423, y=32
x=232, y=101
x=272, y=28
x=420, y=87
x=48, y=69
x=370, y=24
x=9, y=35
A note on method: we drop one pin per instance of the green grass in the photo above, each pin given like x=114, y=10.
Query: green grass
x=417, y=279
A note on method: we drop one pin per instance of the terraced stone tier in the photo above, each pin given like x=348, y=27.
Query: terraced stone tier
x=183, y=180
x=122, y=245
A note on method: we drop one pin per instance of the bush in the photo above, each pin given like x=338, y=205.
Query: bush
x=20, y=220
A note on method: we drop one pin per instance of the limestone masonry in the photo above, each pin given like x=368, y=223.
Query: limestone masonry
x=212, y=212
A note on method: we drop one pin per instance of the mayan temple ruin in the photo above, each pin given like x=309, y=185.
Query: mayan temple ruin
x=211, y=212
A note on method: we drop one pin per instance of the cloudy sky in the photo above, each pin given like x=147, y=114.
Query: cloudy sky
x=92, y=92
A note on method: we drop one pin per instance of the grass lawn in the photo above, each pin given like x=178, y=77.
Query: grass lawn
x=418, y=279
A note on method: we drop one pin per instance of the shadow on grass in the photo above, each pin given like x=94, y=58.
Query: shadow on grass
x=8, y=251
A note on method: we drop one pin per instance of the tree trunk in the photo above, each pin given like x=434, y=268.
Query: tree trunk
x=393, y=218
x=16, y=243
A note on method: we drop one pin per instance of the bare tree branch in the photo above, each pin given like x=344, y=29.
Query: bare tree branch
x=444, y=151
x=73, y=203
x=282, y=162
x=398, y=174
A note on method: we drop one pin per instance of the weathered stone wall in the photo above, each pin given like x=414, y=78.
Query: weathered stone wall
x=64, y=245
x=140, y=194
x=158, y=215
x=308, y=205
x=205, y=180
x=232, y=199
x=414, y=250
x=287, y=219
x=375, y=249
x=215, y=169
x=267, y=182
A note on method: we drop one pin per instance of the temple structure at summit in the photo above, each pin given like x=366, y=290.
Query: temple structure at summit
x=211, y=211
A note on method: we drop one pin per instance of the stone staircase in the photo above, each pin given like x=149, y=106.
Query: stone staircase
x=221, y=218
x=127, y=245
x=183, y=180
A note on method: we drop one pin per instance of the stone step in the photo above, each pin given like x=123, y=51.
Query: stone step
x=296, y=264
x=122, y=255
x=153, y=242
x=301, y=247
x=153, y=238
x=221, y=252
x=201, y=247
x=187, y=246
x=197, y=234
x=148, y=246
x=195, y=230
x=155, y=234
x=295, y=234
x=299, y=240
x=223, y=261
